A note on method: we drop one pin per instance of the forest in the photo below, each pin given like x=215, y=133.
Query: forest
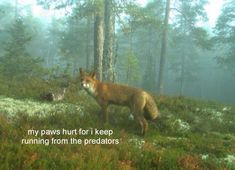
x=170, y=48
x=178, y=55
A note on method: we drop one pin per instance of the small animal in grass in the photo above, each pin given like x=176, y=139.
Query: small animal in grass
x=53, y=96
x=141, y=103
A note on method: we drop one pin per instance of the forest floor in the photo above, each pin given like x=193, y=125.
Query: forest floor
x=190, y=134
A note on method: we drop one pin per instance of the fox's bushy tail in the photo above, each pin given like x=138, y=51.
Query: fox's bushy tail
x=150, y=110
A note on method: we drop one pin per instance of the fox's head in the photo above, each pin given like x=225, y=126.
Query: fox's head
x=88, y=81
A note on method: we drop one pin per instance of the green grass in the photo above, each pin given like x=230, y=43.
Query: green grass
x=189, y=135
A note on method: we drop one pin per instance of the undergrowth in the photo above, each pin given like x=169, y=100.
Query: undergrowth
x=189, y=134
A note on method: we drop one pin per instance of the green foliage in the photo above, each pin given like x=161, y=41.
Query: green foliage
x=201, y=38
x=17, y=62
x=197, y=114
x=73, y=48
x=225, y=35
x=26, y=88
x=131, y=66
x=190, y=12
x=140, y=34
x=224, y=26
x=6, y=16
x=139, y=17
x=187, y=40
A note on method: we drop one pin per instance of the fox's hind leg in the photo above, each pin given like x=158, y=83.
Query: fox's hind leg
x=143, y=123
x=137, y=109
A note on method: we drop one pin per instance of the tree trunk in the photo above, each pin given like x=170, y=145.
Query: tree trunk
x=98, y=44
x=88, y=53
x=163, y=49
x=16, y=9
x=108, y=69
x=182, y=75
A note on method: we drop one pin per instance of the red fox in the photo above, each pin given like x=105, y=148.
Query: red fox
x=141, y=104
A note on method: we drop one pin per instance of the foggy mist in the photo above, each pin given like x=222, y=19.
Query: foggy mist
x=117, y=84
x=42, y=39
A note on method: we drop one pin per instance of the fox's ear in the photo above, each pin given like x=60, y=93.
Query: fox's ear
x=93, y=74
x=81, y=71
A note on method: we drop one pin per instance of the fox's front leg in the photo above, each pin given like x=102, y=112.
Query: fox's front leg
x=104, y=112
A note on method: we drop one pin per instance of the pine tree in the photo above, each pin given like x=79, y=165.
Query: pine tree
x=225, y=35
x=17, y=62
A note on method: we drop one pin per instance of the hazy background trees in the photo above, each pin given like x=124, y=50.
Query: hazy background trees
x=122, y=41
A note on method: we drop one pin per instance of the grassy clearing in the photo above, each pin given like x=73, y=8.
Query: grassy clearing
x=190, y=135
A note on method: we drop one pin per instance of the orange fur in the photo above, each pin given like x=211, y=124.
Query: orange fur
x=141, y=104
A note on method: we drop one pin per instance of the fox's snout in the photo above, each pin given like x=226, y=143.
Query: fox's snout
x=88, y=87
